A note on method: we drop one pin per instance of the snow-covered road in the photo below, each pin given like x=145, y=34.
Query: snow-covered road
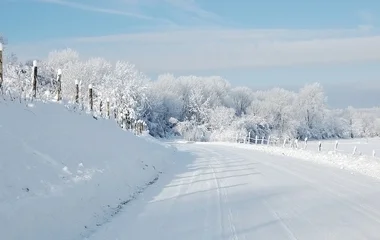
x=229, y=193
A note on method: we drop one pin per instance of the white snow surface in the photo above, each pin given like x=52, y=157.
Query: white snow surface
x=64, y=174
x=365, y=164
x=236, y=193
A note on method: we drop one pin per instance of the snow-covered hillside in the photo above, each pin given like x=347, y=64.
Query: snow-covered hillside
x=63, y=174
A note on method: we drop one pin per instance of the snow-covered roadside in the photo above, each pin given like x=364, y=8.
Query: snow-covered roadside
x=63, y=174
x=366, y=165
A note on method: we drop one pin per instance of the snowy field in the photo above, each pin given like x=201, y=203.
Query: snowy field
x=364, y=146
x=362, y=161
x=64, y=174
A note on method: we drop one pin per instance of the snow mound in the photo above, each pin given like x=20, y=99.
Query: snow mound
x=63, y=174
x=364, y=164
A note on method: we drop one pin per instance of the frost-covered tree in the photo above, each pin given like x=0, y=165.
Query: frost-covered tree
x=194, y=107
x=240, y=99
x=310, y=110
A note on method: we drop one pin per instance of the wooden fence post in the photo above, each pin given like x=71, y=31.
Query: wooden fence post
x=354, y=151
x=59, y=83
x=101, y=108
x=34, y=80
x=76, y=92
x=125, y=121
x=336, y=146
x=108, y=108
x=1, y=67
x=90, y=96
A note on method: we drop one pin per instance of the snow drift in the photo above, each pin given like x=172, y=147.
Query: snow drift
x=64, y=173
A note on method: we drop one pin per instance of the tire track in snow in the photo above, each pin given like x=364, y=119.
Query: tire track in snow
x=223, y=196
x=289, y=232
x=219, y=201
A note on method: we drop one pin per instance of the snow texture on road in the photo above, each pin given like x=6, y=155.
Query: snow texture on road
x=229, y=193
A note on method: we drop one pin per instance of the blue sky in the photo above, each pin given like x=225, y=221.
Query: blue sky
x=256, y=43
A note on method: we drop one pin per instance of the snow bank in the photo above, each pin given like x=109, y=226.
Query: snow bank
x=63, y=174
x=364, y=164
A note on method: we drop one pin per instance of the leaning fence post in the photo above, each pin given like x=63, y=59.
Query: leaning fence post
x=305, y=143
x=268, y=143
x=59, y=75
x=34, y=80
x=373, y=153
x=90, y=96
x=319, y=146
x=1, y=67
x=354, y=151
x=336, y=146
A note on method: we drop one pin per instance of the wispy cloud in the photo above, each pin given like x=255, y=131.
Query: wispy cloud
x=197, y=49
x=182, y=10
x=94, y=8
x=192, y=7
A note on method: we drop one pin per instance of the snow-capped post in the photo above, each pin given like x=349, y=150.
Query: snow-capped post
x=319, y=146
x=284, y=144
x=249, y=137
x=90, y=97
x=256, y=139
x=373, y=153
x=354, y=151
x=1, y=66
x=296, y=143
x=268, y=140
x=34, y=79
x=59, y=85
x=108, y=108
x=336, y=146
x=305, y=146
x=263, y=140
